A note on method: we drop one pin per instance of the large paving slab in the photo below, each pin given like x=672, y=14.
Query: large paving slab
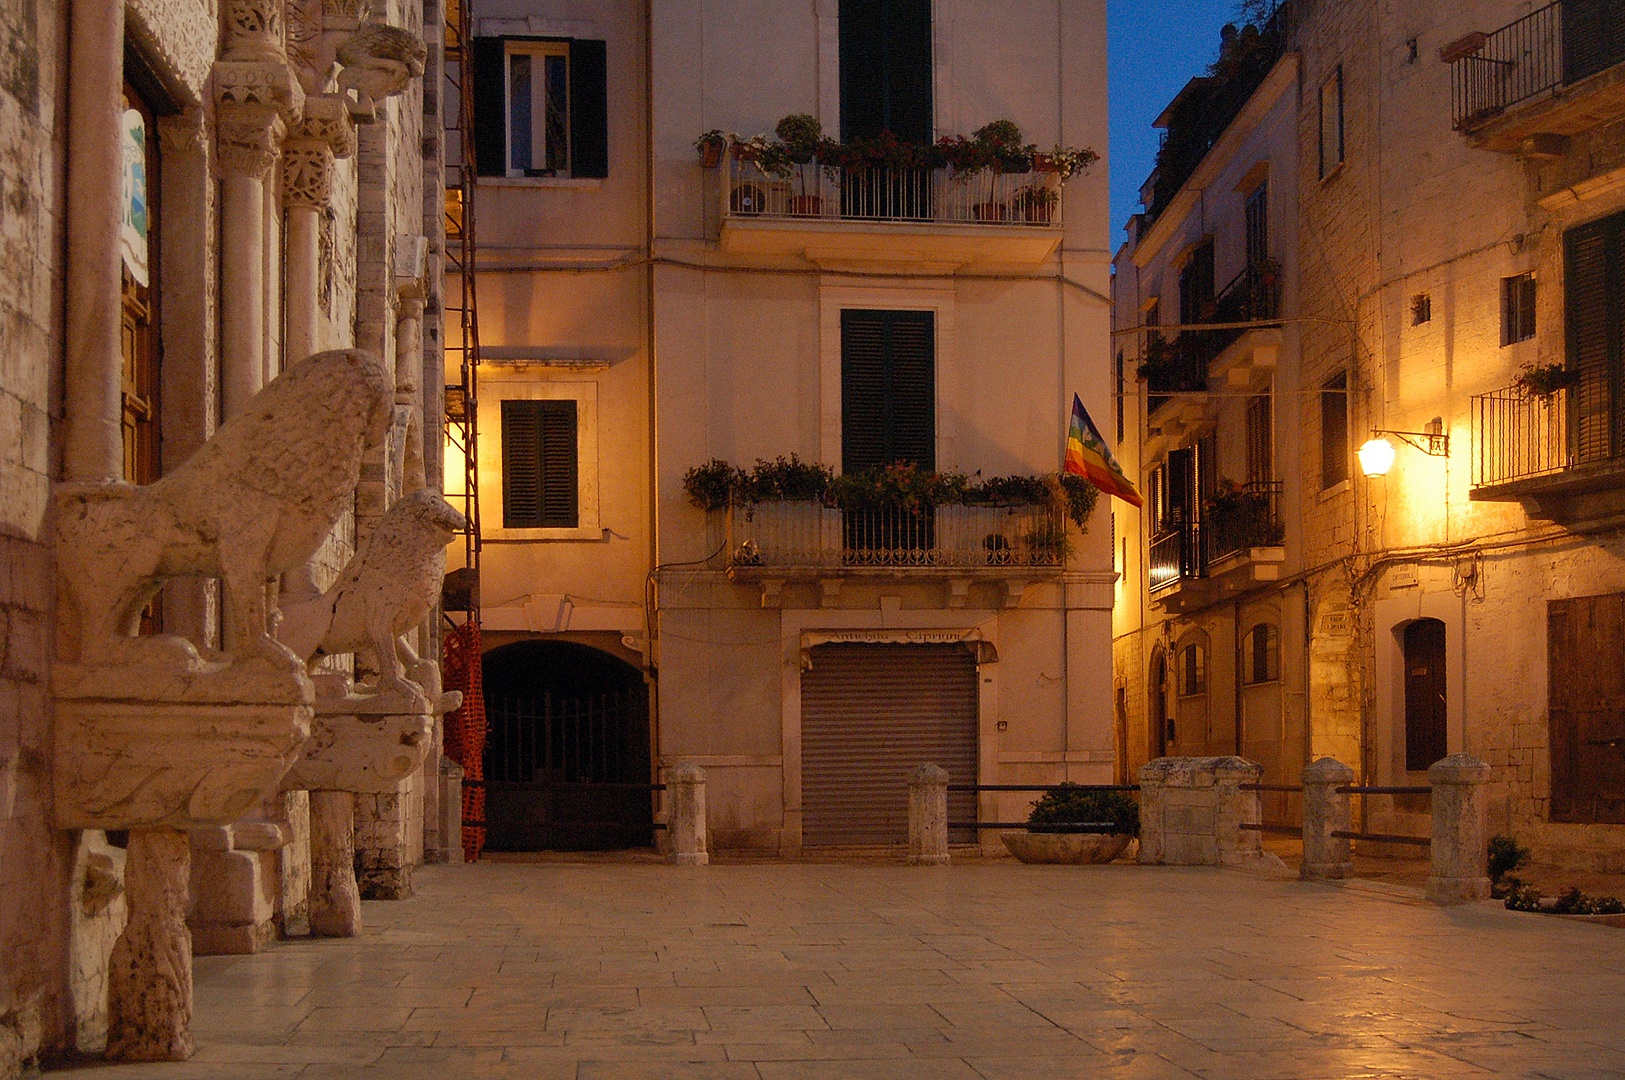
x=867, y=971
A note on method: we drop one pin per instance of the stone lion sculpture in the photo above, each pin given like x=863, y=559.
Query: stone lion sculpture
x=383, y=591
x=379, y=61
x=255, y=501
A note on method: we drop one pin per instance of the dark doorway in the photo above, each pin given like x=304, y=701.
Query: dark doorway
x=1425, y=711
x=1159, y=729
x=567, y=753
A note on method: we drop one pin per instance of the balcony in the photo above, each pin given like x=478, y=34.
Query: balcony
x=1562, y=455
x=1236, y=544
x=1181, y=365
x=921, y=217
x=1557, y=72
x=775, y=542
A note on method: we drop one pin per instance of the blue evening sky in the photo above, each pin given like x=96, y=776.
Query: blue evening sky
x=1154, y=49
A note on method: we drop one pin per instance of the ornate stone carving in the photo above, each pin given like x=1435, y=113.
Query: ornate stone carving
x=179, y=35
x=307, y=173
x=254, y=29
x=328, y=119
x=150, y=984
x=256, y=500
x=384, y=591
x=379, y=62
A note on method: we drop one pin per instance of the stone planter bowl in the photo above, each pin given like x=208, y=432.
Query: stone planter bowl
x=1071, y=848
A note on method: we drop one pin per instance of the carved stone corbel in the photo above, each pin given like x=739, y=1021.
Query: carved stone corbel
x=379, y=61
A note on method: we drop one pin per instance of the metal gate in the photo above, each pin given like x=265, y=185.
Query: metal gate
x=869, y=715
x=568, y=772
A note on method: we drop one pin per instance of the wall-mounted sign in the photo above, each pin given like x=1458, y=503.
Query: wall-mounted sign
x=133, y=228
x=972, y=639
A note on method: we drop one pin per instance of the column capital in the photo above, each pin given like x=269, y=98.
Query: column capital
x=249, y=139
x=307, y=173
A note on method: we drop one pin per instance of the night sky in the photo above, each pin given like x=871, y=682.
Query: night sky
x=1155, y=48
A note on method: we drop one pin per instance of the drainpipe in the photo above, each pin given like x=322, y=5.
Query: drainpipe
x=651, y=663
x=1235, y=634
x=93, y=377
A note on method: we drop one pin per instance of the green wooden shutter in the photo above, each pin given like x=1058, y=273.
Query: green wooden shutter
x=490, y=132
x=888, y=389
x=885, y=64
x=1594, y=314
x=540, y=475
x=589, y=109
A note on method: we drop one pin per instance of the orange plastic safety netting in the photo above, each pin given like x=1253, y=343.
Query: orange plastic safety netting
x=465, y=729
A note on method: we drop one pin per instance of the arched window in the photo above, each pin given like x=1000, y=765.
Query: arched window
x=1192, y=669
x=1261, y=655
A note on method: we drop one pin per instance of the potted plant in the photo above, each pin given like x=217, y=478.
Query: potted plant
x=1544, y=380
x=711, y=146
x=1052, y=834
x=714, y=485
x=1035, y=204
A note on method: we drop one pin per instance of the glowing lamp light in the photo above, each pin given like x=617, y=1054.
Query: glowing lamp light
x=1376, y=457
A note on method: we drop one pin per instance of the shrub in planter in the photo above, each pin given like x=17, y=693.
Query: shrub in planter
x=785, y=479
x=714, y=485
x=1081, y=497
x=711, y=145
x=1072, y=804
x=801, y=134
x=1544, y=380
x=1505, y=855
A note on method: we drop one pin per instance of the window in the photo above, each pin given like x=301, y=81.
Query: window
x=138, y=245
x=885, y=65
x=1334, y=430
x=1594, y=305
x=541, y=107
x=1192, y=670
x=1331, y=123
x=1121, y=381
x=1425, y=713
x=1260, y=440
x=1257, y=212
x=1517, y=309
x=1261, y=655
x=1421, y=309
x=540, y=465
x=1196, y=285
x=888, y=389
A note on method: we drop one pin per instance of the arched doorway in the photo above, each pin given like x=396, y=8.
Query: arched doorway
x=1158, y=735
x=567, y=751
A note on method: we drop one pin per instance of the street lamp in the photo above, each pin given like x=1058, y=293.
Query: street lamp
x=1377, y=453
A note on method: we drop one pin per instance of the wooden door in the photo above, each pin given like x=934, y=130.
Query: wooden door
x=1586, y=700
x=1425, y=705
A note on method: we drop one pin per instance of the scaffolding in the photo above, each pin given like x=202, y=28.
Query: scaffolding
x=461, y=309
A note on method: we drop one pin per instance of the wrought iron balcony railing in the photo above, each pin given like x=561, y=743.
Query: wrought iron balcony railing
x=1177, y=554
x=1520, y=436
x=1180, y=364
x=1552, y=47
x=1244, y=518
x=817, y=192
x=811, y=537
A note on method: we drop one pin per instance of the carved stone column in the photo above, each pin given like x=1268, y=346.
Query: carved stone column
x=150, y=985
x=324, y=135
x=335, y=901
x=93, y=380
x=256, y=94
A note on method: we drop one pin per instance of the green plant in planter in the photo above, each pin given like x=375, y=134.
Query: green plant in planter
x=1011, y=491
x=1047, y=542
x=1505, y=855
x=1544, y=380
x=1070, y=804
x=801, y=134
x=711, y=145
x=786, y=479
x=902, y=486
x=714, y=485
x=1081, y=497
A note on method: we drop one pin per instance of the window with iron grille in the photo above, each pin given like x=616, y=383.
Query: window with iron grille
x=1334, y=430
x=1517, y=308
x=541, y=107
x=540, y=467
x=888, y=389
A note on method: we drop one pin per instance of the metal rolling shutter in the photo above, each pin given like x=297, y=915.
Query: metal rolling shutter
x=869, y=715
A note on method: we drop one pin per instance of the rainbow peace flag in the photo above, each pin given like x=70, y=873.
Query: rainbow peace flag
x=1087, y=456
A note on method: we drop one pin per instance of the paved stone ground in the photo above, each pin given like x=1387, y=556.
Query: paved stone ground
x=988, y=969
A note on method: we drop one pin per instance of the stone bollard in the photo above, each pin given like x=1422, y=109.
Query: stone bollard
x=451, y=808
x=1459, y=853
x=685, y=786
x=1325, y=811
x=928, y=816
x=1192, y=810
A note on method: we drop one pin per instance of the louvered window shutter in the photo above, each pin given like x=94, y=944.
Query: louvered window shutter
x=885, y=66
x=589, y=109
x=539, y=465
x=1594, y=310
x=490, y=108
x=1591, y=37
x=888, y=389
